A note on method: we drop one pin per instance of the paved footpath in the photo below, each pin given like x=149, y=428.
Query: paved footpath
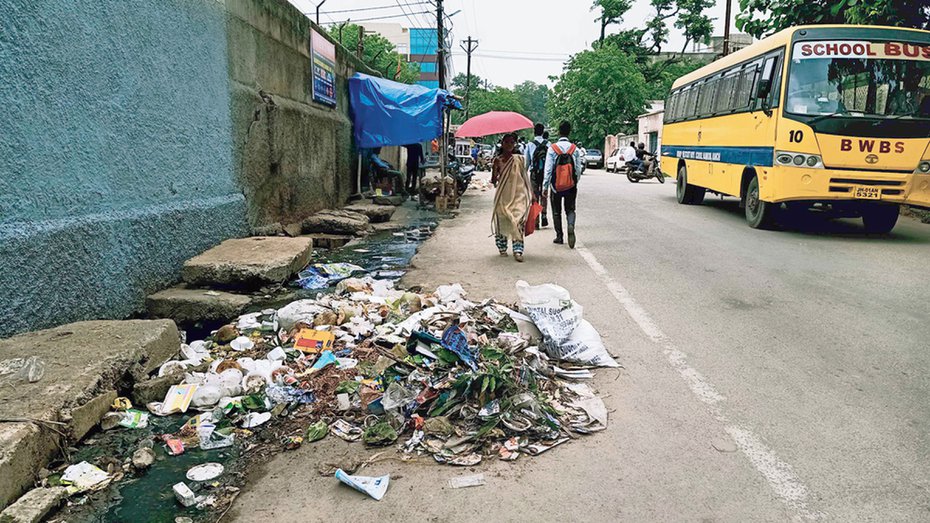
x=769, y=376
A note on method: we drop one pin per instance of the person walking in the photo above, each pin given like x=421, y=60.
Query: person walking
x=512, y=198
x=563, y=167
x=414, y=159
x=535, y=159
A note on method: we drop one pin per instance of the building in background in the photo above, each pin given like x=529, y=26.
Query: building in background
x=418, y=45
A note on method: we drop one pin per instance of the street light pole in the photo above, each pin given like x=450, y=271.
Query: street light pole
x=726, y=28
x=318, y=11
x=469, y=49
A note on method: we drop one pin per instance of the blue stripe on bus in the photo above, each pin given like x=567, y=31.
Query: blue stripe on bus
x=753, y=156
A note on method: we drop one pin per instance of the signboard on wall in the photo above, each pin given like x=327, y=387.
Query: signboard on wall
x=323, y=65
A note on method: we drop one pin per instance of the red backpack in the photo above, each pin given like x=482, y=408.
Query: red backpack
x=563, y=176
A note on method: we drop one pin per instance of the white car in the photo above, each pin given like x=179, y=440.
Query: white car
x=615, y=161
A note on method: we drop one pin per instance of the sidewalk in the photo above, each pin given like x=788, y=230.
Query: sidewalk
x=655, y=461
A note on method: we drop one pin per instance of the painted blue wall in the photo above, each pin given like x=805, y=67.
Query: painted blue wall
x=115, y=153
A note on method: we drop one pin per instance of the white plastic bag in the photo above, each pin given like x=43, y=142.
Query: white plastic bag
x=566, y=336
x=551, y=308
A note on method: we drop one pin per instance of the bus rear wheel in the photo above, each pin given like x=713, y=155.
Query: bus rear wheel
x=686, y=193
x=759, y=214
x=880, y=219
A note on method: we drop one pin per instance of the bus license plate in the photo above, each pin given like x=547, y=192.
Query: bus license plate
x=867, y=193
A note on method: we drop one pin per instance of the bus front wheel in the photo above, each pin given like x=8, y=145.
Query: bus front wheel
x=880, y=219
x=686, y=193
x=759, y=214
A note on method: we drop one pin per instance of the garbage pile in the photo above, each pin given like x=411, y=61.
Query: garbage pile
x=434, y=373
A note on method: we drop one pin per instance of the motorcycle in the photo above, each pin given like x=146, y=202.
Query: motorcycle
x=635, y=175
x=462, y=171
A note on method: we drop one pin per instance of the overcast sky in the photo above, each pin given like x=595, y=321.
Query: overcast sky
x=518, y=39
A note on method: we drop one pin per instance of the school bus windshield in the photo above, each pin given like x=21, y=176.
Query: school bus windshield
x=858, y=86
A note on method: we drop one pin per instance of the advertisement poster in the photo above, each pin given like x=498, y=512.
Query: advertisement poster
x=323, y=64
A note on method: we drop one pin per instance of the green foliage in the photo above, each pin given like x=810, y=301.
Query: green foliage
x=527, y=98
x=763, y=17
x=600, y=92
x=378, y=53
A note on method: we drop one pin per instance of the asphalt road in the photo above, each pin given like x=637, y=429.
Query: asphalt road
x=769, y=376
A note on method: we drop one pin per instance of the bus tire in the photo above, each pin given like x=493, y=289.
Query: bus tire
x=686, y=193
x=880, y=219
x=759, y=214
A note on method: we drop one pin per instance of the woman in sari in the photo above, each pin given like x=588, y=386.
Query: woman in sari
x=512, y=199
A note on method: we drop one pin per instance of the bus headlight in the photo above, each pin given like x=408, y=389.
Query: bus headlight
x=924, y=167
x=798, y=159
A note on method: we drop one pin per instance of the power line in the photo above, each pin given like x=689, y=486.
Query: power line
x=523, y=58
x=413, y=23
x=353, y=20
x=369, y=8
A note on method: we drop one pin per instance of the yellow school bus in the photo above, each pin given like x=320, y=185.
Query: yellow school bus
x=832, y=117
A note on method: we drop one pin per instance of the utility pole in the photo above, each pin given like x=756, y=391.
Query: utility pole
x=360, y=46
x=440, y=49
x=469, y=49
x=726, y=28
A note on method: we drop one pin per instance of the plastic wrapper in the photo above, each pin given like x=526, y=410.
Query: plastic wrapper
x=374, y=487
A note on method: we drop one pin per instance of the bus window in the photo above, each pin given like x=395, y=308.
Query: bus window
x=768, y=84
x=743, y=94
x=858, y=87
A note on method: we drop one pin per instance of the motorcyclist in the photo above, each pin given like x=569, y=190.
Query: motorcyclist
x=646, y=159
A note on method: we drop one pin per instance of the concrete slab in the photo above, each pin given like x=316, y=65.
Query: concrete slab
x=85, y=363
x=182, y=304
x=34, y=505
x=248, y=262
x=337, y=222
x=375, y=213
x=328, y=241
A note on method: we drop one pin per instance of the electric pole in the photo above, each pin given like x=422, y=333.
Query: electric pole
x=726, y=28
x=440, y=49
x=469, y=49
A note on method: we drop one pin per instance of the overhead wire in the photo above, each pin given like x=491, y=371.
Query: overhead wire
x=372, y=8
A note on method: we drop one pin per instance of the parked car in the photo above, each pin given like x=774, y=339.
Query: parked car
x=615, y=162
x=594, y=158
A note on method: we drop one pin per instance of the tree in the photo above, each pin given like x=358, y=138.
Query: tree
x=612, y=12
x=379, y=54
x=763, y=17
x=533, y=96
x=487, y=99
x=600, y=91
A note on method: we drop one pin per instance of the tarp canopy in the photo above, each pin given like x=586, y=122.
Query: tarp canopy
x=385, y=112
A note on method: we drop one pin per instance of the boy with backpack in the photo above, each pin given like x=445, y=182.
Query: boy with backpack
x=535, y=154
x=563, y=167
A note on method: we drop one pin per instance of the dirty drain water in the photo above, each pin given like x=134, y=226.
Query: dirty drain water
x=146, y=496
x=385, y=255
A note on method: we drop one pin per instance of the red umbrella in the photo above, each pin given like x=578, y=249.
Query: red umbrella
x=494, y=122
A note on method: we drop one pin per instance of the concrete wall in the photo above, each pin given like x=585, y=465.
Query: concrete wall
x=294, y=157
x=135, y=138
x=115, y=153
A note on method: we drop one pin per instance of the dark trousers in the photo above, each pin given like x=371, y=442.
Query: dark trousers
x=568, y=199
x=538, y=193
x=413, y=175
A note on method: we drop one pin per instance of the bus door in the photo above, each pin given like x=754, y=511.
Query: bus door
x=766, y=94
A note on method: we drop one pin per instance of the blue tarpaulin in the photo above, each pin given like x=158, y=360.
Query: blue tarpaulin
x=391, y=113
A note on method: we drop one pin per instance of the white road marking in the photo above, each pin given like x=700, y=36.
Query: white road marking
x=776, y=472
